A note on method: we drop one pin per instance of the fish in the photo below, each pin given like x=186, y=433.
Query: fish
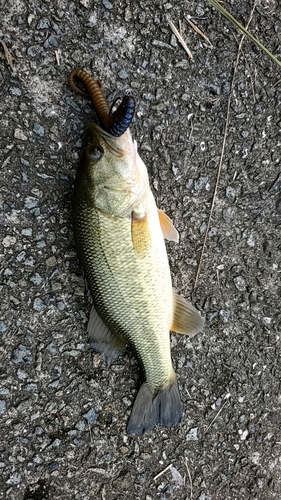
x=119, y=233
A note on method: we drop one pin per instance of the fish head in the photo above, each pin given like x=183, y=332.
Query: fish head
x=117, y=179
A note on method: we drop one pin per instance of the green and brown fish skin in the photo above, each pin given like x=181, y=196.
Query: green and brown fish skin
x=119, y=234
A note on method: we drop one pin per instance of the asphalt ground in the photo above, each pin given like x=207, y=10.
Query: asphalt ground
x=63, y=411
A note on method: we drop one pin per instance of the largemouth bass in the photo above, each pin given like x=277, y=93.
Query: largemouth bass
x=119, y=234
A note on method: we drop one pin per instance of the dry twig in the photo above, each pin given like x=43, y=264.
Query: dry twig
x=215, y=418
x=8, y=55
x=198, y=30
x=190, y=479
x=222, y=150
x=162, y=472
x=180, y=38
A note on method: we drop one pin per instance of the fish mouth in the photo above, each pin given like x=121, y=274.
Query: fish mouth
x=118, y=146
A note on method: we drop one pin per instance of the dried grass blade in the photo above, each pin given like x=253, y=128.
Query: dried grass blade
x=234, y=21
x=198, y=30
x=180, y=38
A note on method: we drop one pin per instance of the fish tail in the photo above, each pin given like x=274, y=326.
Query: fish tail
x=152, y=407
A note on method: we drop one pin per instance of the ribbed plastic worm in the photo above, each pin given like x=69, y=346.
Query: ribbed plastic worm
x=117, y=123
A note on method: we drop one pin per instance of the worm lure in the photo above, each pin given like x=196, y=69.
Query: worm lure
x=116, y=123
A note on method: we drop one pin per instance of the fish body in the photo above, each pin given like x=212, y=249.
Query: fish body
x=119, y=237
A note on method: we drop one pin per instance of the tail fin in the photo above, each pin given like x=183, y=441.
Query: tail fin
x=152, y=408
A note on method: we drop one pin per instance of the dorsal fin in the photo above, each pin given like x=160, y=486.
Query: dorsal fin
x=186, y=319
x=168, y=229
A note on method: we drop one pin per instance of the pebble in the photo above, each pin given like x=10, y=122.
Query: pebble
x=14, y=478
x=15, y=91
x=200, y=182
x=29, y=262
x=9, y=241
x=35, y=51
x=3, y=327
x=21, y=355
x=52, y=41
x=43, y=24
x=123, y=74
x=90, y=416
x=192, y=434
x=224, y=315
x=2, y=406
x=230, y=192
x=240, y=283
x=107, y=4
x=18, y=134
x=38, y=129
x=30, y=202
x=38, y=305
x=36, y=279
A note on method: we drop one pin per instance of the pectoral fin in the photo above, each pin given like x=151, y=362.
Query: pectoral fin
x=168, y=229
x=186, y=318
x=103, y=340
x=141, y=237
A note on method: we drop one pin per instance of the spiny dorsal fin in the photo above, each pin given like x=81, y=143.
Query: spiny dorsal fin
x=168, y=229
x=141, y=236
x=186, y=319
x=103, y=340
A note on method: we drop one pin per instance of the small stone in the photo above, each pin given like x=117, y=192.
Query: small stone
x=230, y=192
x=27, y=231
x=38, y=305
x=18, y=134
x=123, y=74
x=14, y=478
x=107, y=4
x=243, y=434
x=240, y=283
x=224, y=315
x=9, y=241
x=29, y=262
x=38, y=129
x=210, y=316
x=200, y=182
x=2, y=406
x=51, y=261
x=36, y=279
x=22, y=355
x=3, y=327
x=30, y=202
x=52, y=41
x=173, y=40
x=15, y=91
x=192, y=434
x=90, y=416
x=43, y=24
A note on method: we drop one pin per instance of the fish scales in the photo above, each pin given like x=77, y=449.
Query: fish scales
x=132, y=291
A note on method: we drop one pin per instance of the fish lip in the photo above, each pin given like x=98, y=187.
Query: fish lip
x=113, y=144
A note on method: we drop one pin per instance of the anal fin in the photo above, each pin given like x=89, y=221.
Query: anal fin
x=186, y=319
x=109, y=344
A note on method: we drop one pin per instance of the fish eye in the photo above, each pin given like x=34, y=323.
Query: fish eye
x=95, y=152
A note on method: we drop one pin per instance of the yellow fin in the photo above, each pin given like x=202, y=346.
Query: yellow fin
x=168, y=229
x=186, y=318
x=141, y=237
